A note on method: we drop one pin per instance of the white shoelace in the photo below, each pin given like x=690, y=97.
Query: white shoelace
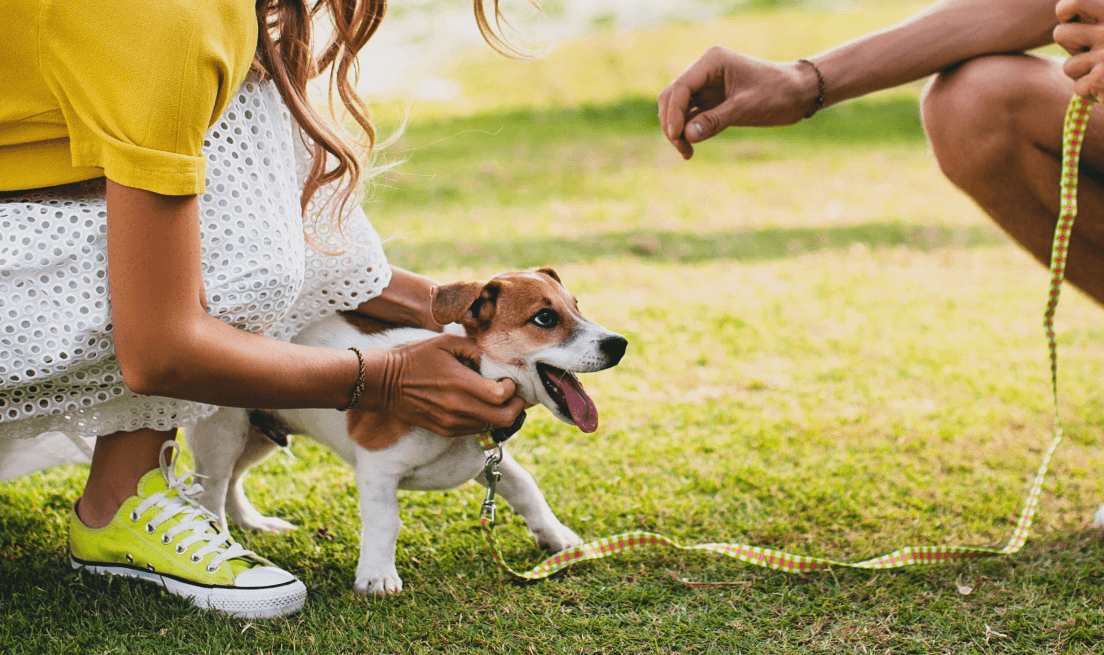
x=197, y=519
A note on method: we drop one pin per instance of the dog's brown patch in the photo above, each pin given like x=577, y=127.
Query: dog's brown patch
x=365, y=324
x=375, y=430
x=513, y=331
x=372, y=430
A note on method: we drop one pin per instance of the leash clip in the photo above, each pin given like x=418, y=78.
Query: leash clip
x=492, y=474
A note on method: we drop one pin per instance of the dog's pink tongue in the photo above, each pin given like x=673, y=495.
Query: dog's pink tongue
x=582, y=408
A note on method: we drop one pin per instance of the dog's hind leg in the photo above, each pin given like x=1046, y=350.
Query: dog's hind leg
x=258, y=446
x=519, y=489
x=216, y=443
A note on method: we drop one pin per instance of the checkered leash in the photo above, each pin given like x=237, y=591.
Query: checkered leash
x=1073, y=130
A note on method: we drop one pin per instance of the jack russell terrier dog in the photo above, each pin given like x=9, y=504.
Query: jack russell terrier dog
x=528, y=328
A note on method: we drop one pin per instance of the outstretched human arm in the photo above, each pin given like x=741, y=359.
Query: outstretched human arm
x=724, y=89
x=168, y=345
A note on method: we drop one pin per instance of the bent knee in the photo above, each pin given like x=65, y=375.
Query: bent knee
x=974, y=114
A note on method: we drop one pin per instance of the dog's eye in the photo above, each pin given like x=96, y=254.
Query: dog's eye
x=546, y=318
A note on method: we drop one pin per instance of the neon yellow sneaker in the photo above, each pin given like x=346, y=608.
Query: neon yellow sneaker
x=162, y=534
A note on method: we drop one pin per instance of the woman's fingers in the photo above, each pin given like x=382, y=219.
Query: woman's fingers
x=1091, y=84
x=1078, y=66
x=1076, y=38
x=1085, y=66
x=1081, y=33
x=437, y=388
x=1080, y=11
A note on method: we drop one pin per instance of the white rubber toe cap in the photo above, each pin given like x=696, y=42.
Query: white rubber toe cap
x=263, y=576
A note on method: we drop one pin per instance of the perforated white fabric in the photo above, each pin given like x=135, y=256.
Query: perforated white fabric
x=57, y=366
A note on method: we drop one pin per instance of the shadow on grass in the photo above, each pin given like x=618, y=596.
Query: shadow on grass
x=685, y=247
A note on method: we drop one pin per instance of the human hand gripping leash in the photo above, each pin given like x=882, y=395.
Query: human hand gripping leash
x=1073, y=131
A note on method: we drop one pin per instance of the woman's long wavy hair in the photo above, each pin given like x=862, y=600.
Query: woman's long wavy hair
x=286, y=54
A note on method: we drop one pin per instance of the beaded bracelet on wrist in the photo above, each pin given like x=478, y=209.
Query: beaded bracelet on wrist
x=822, y=88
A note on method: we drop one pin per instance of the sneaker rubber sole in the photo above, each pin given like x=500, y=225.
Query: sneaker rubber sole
x=240, y=602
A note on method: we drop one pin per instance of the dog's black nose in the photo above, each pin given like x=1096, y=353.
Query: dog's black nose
x=614, y=348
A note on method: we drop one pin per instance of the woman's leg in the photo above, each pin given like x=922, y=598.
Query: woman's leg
x=995, y=126
x=159, y=533
x=119, y=461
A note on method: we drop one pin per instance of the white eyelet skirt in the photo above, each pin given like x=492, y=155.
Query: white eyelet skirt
x=60, y=383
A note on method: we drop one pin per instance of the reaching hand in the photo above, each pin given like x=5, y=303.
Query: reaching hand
x=1081, y=32
x=724, y=89
x=431, y=384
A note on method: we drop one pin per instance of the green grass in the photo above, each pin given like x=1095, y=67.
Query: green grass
x=832, y=352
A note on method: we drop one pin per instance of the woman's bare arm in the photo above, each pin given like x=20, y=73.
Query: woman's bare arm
x=168, y=345
x=405, y=302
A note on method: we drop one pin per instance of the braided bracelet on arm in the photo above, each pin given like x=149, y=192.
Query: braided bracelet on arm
x=358, y=389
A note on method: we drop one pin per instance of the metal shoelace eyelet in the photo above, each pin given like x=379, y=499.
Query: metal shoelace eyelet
x=130, y=558
x=134, y=517
x=150, y=528
x=195, y=560
x=165, y=539
x=180, y=549
x=149, y=566
x=212, y=569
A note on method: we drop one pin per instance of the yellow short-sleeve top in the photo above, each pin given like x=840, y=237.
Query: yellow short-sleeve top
x=119, y=88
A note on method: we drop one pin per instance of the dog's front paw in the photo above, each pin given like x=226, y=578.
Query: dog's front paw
x=556, y=537
x=378, y=584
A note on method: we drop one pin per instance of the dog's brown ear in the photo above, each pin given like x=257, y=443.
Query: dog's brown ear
x=550, y=272
x=467, y=303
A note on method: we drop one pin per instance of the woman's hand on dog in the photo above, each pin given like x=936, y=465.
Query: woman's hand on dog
x=434, y=384
x=1081, y=32
x=725, y=89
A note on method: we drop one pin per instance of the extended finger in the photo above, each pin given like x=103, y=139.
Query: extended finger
x=673, y=102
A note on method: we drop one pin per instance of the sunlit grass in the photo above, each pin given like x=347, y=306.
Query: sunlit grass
x=832, y=352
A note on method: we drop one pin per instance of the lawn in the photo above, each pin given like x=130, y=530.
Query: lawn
x=832, y=352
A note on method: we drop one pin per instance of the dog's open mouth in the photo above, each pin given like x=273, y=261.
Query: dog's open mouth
x=568, y=394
